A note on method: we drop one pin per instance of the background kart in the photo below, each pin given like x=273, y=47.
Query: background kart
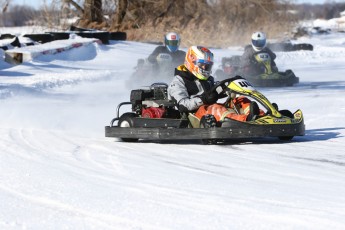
x=230, y=67
x=146, y=71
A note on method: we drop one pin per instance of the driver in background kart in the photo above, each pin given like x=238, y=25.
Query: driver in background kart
x=190, y=89
x=248, y=64
x=171, y=46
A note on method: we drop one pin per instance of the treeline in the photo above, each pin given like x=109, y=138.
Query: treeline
x=326, y=11
x=17, y=15
x=208, y=22
x=212, y=23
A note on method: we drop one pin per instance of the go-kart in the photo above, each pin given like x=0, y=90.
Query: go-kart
x=287, y=46
x=267, y=76
x=153, y=116
x=229, y=67
x=146, y=71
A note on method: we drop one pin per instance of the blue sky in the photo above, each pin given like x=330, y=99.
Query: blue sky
x=38, y=3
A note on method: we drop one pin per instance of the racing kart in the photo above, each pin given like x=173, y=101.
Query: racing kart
x=154, y=117
x=146, y=71
x=268, y=76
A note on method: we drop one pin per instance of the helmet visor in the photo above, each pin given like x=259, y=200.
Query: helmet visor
x=172, y=42
x=259, y=43
x=205, y=67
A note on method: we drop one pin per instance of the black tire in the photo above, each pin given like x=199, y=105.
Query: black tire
x=122, y=36
x=102, y=36
x=75, y=28
x=7, y=36
x=126, y=120
x=60, y=35
x=289, y=72
x=41, y=38
x=304, y=46
x=208, y=121
x=286, y=113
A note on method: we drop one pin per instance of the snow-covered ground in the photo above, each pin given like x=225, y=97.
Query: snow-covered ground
x=58, y=171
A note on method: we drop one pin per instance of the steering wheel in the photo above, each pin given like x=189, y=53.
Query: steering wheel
x=222, y=89
x=224, y=85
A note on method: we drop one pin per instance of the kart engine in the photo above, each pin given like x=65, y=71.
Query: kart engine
x=152, y=103
x=153, y=112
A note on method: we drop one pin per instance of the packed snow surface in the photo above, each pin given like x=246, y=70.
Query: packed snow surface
x=58, y=171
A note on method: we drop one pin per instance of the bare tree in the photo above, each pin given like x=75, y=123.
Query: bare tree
x=75, y=5
x=198, y=21
x=93, y=11
x=4, y=5
x=120, y=13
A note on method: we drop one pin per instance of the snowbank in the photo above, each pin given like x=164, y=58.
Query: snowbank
x=58, y=171
x=24, y=54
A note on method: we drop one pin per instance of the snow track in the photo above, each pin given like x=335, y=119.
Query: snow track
x=58, y=171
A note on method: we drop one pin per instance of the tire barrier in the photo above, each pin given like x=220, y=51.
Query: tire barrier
x=6, y=36
x=122, y=36
x=10, y=44
x=287, y=46
x=41, y=38
x=112, y=35
x=103, y=36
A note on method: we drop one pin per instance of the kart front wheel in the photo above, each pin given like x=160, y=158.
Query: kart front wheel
x=286, y=113
x=126, y=121
x=208, y=121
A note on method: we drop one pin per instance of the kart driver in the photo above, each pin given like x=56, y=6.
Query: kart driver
x=192, y=82
x=171, y=47
x=248, y=64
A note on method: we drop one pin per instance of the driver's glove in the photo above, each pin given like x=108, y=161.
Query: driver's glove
x=209, y=98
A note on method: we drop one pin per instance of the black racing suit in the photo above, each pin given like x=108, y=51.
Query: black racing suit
x=177, y=56
x=248, y=64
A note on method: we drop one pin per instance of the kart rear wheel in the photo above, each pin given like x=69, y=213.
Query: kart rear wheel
x=208, y=121
x=126, y=121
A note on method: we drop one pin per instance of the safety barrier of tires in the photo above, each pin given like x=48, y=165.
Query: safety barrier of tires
x=41, y=38
x=122, y=36
x=287, y=46
x=101, y=35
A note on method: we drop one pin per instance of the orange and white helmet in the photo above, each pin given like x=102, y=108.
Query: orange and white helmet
x=199, y=61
